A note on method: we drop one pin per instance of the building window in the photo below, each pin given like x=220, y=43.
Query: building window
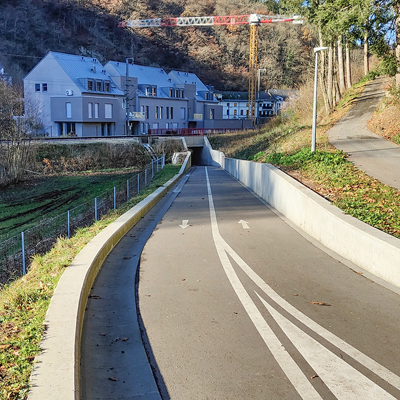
x=90, y=110
x=107, y=87
x=212, y=113
x=183, y=113
x=44, y=87
x=147, y=112
x=96, y=110
x=108, y=110
x=234, y=104
x=157, y=112
x=171, y=92
x=155, y=125
x=176, y=93
x=241, y=112
x=154, y=91
x=147, y=91
x=234, y=112
x=68, y=110
x=181, y=92
x=227, y=104
x=167, y=113
x=172, y=113
x=37, y=87
x=227, y=112
x=161, y=112
x=90, y=85
x=99, y=86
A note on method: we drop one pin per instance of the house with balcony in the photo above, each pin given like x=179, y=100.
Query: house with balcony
x=204, y=110
x=75, y=95
x=153, y=100
x=236, y=105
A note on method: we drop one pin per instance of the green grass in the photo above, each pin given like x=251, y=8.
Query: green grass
x=23, y=303
x=23, y=206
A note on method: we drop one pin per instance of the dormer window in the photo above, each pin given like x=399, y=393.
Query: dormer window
x=99, y=86
x=154, y=91
x=181, y=93
x=90, y=84
x=176, y=93
x=147, y=91
x=107, y=87
x=171, y=92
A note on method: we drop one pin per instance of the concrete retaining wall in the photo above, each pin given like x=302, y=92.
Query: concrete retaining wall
x=56, y=374
x=367, y=247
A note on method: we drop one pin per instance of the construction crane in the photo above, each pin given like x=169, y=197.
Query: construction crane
x=254, y=20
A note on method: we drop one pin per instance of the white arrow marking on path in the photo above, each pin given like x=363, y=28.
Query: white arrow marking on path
x=244, y=224
x=184, y=223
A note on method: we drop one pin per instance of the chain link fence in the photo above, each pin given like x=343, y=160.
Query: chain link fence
x=16, y=251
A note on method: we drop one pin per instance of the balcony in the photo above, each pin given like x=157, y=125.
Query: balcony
x=137, y=116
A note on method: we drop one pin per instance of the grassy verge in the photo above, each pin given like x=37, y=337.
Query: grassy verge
x=23, y=206
x=23, y=303
x=287, y=144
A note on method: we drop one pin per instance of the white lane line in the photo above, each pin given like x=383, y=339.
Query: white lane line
x=285, y=361
x=344, y=381
x=357, y=355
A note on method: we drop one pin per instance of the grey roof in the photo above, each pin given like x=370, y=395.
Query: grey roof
x=187, y=77
x=79, y=68
x=146, y=75
x=241, y=96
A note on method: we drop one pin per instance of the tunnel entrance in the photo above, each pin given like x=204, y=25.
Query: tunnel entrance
x=196, y=155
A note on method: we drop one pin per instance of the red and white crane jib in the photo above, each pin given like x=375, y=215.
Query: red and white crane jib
x=209, y=21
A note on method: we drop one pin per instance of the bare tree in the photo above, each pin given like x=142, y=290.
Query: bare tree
x=16, y=152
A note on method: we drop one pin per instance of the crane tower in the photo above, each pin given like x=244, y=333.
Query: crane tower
x=254, y=20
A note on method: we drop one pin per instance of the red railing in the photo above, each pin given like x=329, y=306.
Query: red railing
x=189, y=131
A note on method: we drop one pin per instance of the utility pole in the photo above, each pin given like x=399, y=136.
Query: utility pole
x=127, y=80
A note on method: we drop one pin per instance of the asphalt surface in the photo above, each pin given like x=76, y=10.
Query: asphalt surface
x=255, y=310
x=369, y=152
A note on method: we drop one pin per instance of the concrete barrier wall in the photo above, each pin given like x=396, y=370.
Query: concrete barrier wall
x=365, y=246
x=57, y=368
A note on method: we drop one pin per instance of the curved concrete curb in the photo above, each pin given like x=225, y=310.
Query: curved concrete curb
x=57, y=371
x=356, y=241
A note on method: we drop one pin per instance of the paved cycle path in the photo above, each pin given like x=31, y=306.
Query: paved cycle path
x=371, y=153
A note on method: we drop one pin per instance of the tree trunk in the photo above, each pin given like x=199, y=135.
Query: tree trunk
x=322, y=76
x=342, y=86
x=397, y=11
x=366, y=52
x=330, y=78
x=348, y=67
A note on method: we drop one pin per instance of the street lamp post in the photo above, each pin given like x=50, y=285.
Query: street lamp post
x=127, y=62
x=258, y=90
x=314, y=123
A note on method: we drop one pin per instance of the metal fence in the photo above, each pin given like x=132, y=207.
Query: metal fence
x=16, y=251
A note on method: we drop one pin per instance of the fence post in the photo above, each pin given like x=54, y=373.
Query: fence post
x=127, y=190
x=23, y=253
x=115, y=199
x=138, y=183
x=69, y=226
x=95, y=208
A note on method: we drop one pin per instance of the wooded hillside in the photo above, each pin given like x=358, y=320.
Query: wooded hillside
x=219, y=56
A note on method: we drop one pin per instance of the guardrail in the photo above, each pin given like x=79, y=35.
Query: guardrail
x=190, y=131
x=16, y=251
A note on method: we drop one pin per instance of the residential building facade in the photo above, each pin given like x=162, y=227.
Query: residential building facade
x=75, y=95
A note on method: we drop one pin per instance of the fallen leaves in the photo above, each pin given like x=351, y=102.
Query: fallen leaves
x=319, y=303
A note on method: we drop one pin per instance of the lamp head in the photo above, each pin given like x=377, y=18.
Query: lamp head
x=318, y=49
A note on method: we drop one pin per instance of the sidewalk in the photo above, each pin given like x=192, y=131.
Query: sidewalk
x=371, y=153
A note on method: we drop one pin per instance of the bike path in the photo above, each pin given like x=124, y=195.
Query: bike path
x=371, y=153
x=235, y=303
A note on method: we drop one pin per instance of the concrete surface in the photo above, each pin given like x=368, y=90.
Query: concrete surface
x=227, y=306
x=371, y=153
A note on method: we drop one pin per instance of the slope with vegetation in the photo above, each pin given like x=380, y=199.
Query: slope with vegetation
x=286, y=143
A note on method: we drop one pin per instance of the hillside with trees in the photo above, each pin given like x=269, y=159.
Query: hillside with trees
x=218, y=55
